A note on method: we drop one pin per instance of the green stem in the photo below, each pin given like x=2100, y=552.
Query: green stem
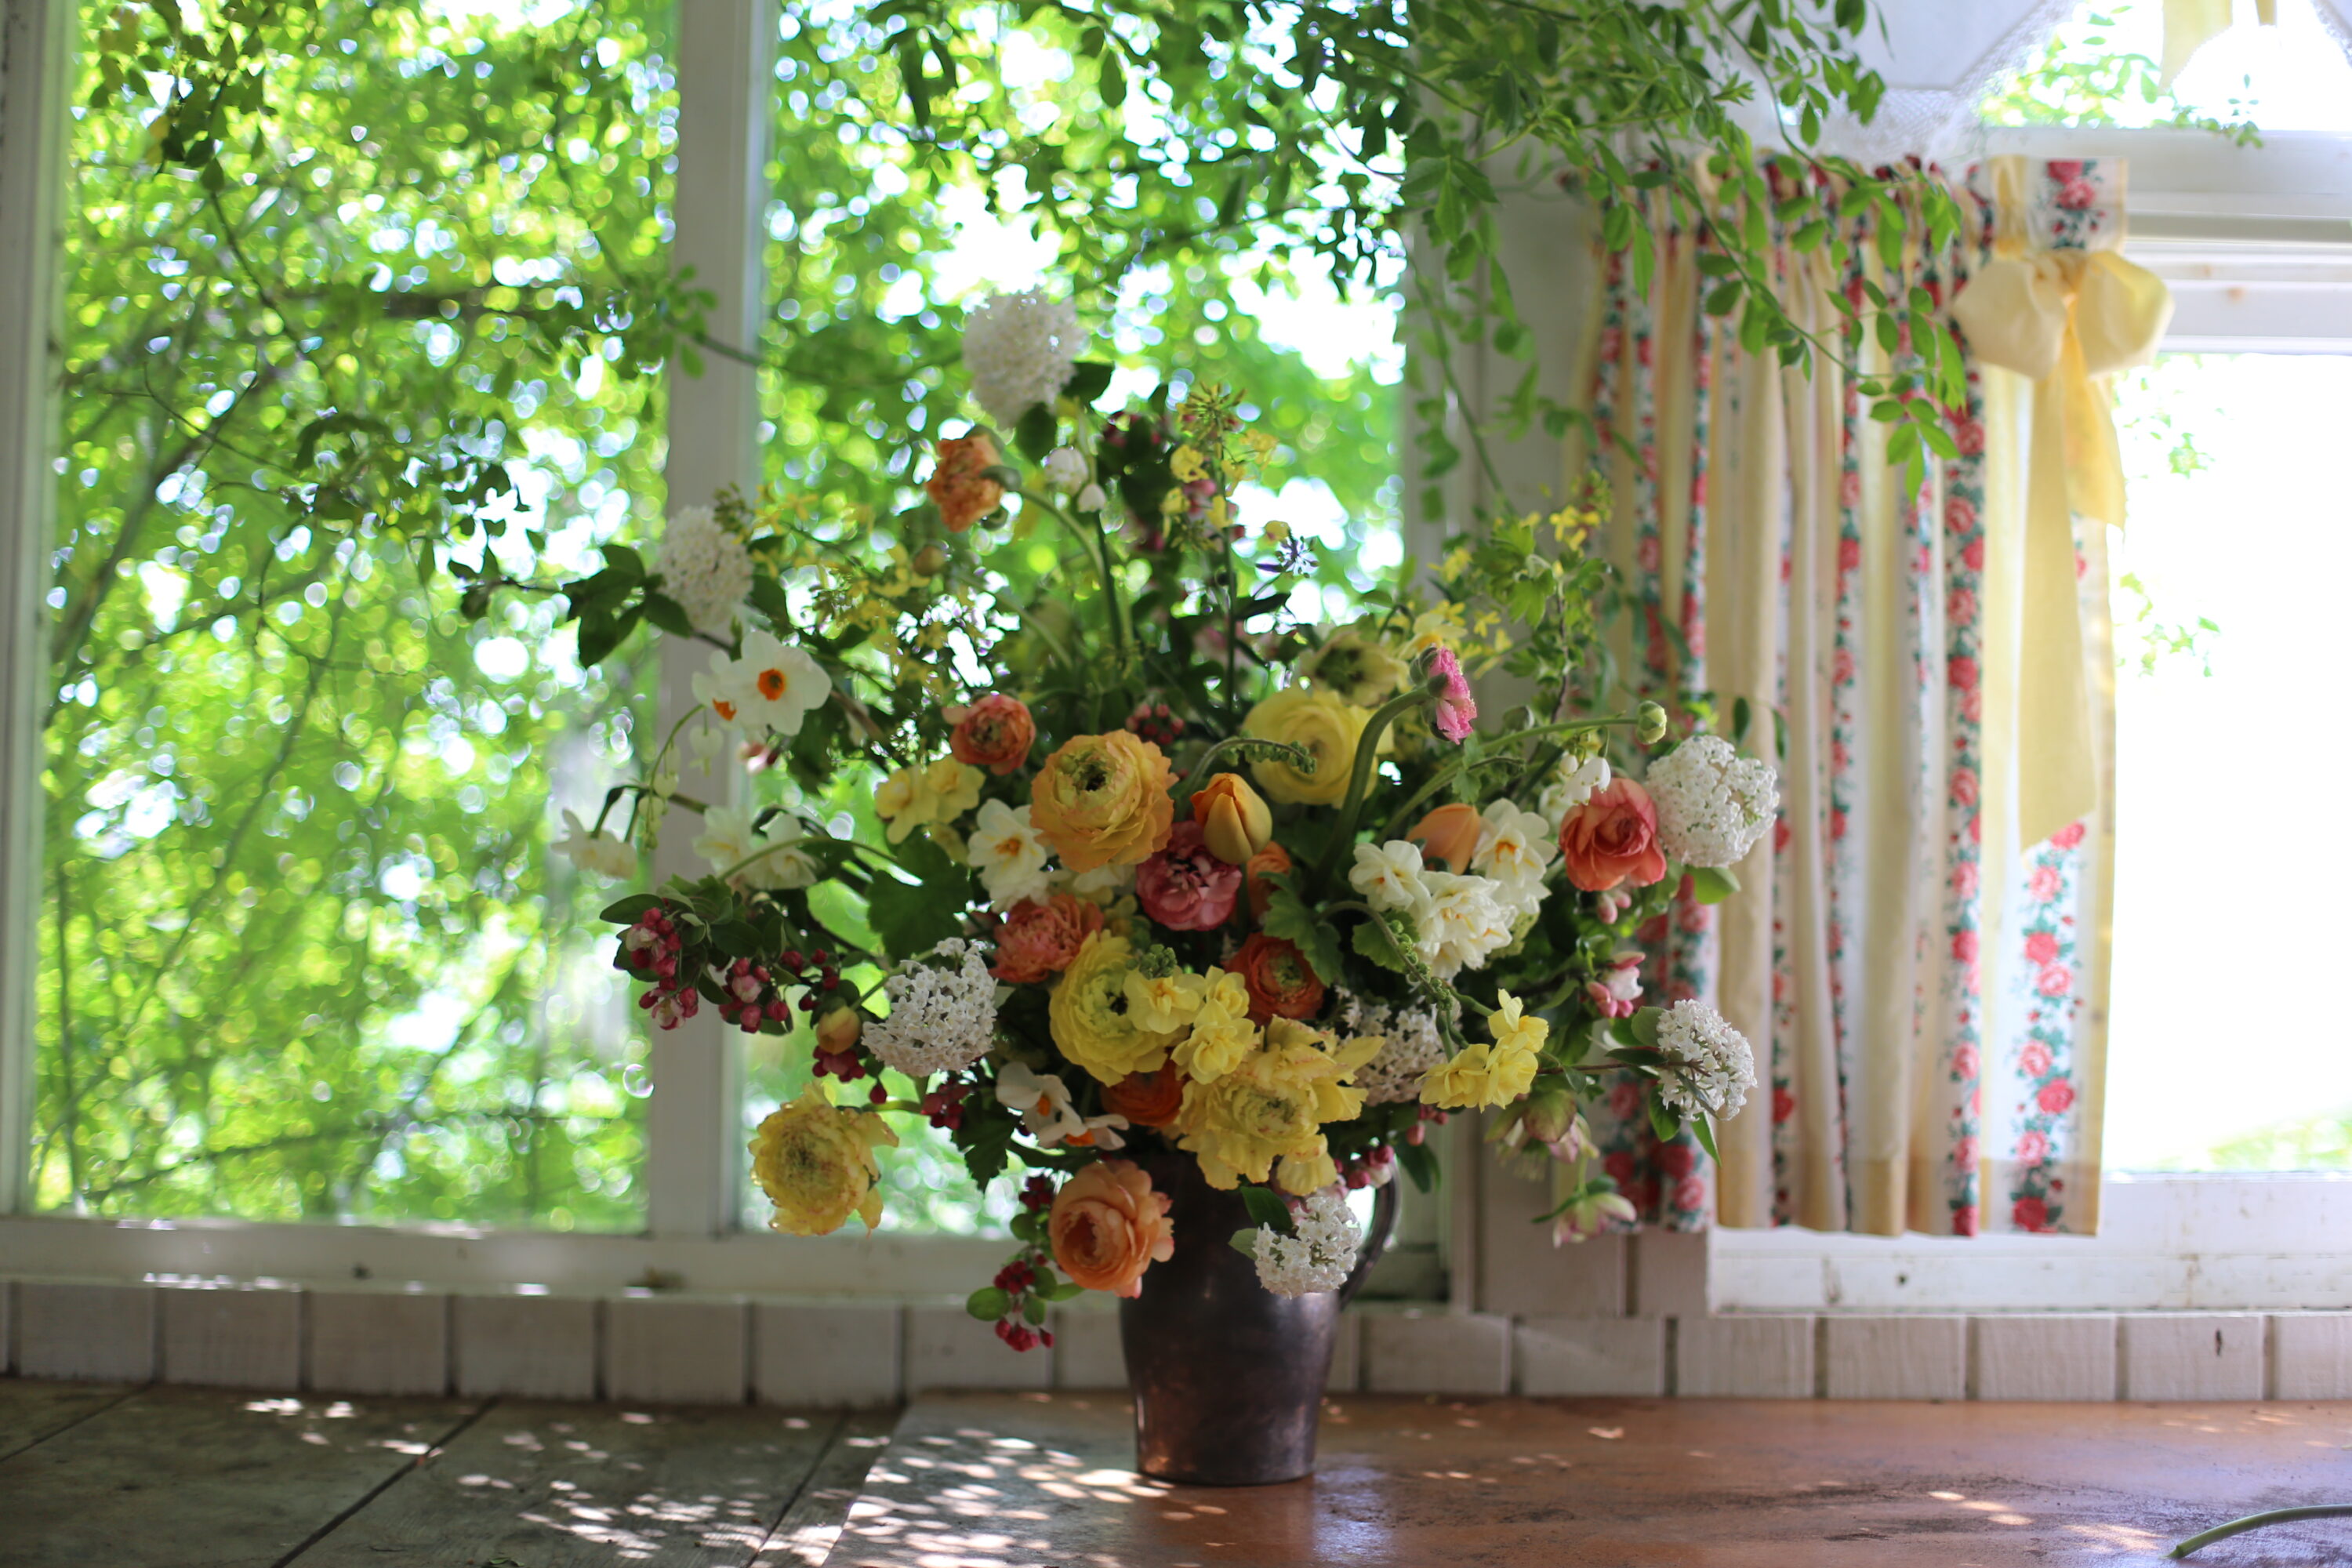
x=1368, y=745
x=1296, y=756
x=1098, y=549
x=2257, y=1520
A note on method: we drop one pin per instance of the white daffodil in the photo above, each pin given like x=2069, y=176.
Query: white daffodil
x=1389, y=876
x=1573, y=787
x=1044, y=1101
x=598, y=852
x=779, y=685
x=1011, y=856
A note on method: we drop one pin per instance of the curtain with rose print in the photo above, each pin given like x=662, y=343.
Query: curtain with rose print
x=1925, y=988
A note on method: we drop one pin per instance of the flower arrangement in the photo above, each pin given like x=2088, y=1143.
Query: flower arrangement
x=1158, y=861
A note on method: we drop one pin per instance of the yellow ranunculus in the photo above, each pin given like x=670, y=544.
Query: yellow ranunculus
x=815, y=1161
x=1299, y=1174
x=1321, y=725
x=1102, y=800
x=1093, y=1022
x=1272, y=1105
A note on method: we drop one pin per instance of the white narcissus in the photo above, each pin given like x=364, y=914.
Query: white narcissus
x=1044, y=1101
x=1011, y=856
x=598, y=852
x=1389, y=876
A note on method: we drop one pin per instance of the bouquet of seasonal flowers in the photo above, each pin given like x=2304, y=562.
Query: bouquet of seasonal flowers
x=1067, y=835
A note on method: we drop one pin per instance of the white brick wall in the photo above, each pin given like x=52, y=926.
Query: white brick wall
x=947, y=1347
x=231, y=1337
x=2044, y=1355
x=378, y=1342
x=827, y=1352
x=534, y=1346
x=1436, y=1353
x=673, y=1350
x=2311, y=1356
x=1759, y=1357
x=1591, y=1356
x=1918, y=1357
x=2193, y=1355
x=105, y=1333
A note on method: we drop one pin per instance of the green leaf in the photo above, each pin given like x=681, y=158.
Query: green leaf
x=1316, y=939
x=667, y=613
x=1712, y=884
x=1110, y=80
x=1033, y=1309
x=1266, y=1207
x=1419, y=1163
x=1089, y=379
x=1644, y=1026
x=1662, y=1120
x=1034, y=436
x=1243, y=1241
x=1704, y=1131
x=1062, y=1291
x=988, y=1303
x=628, y=911
x=1377, y=942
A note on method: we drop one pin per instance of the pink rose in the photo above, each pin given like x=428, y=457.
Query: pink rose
x=2067, y=836
x=2064, y=170
x=2057, y=1097
x=1645, y=553
x=1964, y=880
x=1784, y=1106
x=1849, y=492
x=2045, y=884
x=1964, y=1220
x=1184, y=886
x=1959, y=514
x=1690, y=1194
x=1960, y=607
x=1964, y=1062
x=2032, y=1148
x=2033, y=1060
x=1962, y=673
x=2041, y=947
x=1964, y=947
x=1964, y=787
x=2077, y=196
x=1972, y=555
x=1968, y=435
x=2055, y=980
x=2030, y=1214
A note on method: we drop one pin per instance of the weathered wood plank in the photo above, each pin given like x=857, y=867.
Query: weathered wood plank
x=804, y=1537
x=192, y=1477
x=30, y=1412
x=568, y=1486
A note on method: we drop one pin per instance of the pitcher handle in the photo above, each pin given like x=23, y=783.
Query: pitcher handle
x=1376, y=1240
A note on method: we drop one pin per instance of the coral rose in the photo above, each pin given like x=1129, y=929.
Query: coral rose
x=1234, y=817
x=959, y=486
x=995, y=734
x=1146, y=1098
x=1109, y=1227
x=1102, y=800
x=815, y=1161
x=1282, y=984
x=1038, y=939
x=1321, y=725
x=1612, y=838
x=1184, y=886
x=1272, y=861
x=1449, y=834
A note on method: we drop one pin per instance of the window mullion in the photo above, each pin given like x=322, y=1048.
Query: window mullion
x=32, y=171
x=725, y=47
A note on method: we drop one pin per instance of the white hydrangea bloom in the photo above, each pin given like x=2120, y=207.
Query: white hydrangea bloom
x=942, y=1015
x=1019, y=349
x=1319, y=1257
x=1389, y=876
x=1713, y=803
x=1461, y=923
x=1709, y=1067
x=706, y=569
x=1516, y=850
x=1013, y=858
x=1411, y=1046
x=1571, y=787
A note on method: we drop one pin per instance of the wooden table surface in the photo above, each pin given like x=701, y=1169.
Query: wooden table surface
x=1013, y=1481
x=117, y=1476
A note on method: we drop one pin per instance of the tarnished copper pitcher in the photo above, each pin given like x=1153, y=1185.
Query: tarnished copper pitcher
x=1228, y=1376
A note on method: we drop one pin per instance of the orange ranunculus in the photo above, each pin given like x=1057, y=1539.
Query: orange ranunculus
x=1449, y=834
x=1102, y=800
x=1038, y=938
x=959, y=486
x=1235, y=822
x=1146, y=1098
x=1612, y=838
x=1273, y=860
x=1109, y=1227
x=995, y=733
x=1281, y=982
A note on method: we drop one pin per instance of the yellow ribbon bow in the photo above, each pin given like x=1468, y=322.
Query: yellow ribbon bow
x=2066, y=320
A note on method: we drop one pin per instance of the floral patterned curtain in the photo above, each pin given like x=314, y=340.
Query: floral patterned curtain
x=1928, y=992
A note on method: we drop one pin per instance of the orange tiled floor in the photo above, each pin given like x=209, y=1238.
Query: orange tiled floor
x=1009, y=1482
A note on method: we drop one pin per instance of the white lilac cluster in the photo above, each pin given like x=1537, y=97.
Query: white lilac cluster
x=706, y=569
x=1516, y=851
x=1713, y=803
x=730, y=838
x=1321, y=1252
x=1019, y=349
x=1709, y=1067
x=1411, y=1047
x=1571, y=787
x=942, y=1015
x=1458, y=921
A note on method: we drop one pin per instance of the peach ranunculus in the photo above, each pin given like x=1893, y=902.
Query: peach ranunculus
x=1038, y=939
x=995, y=733
x=1612, y=838
x=959, y=486
x=1146, y=1098
x=1234, y=818
x=1282, y=983
x=1272, y=861
x=1107, y=1227
x=1102, y=800
x=1449, y=834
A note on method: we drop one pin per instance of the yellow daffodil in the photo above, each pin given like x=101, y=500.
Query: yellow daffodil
x=1272, y=1106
